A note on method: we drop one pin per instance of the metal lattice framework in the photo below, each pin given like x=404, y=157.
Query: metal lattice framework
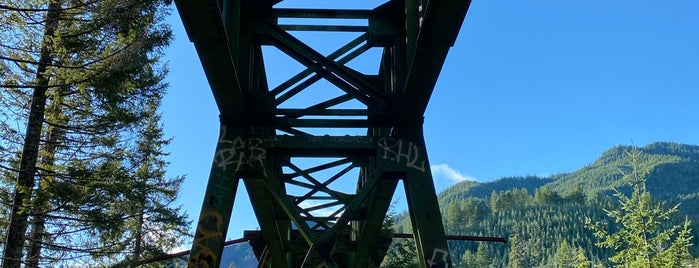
x=291, y=155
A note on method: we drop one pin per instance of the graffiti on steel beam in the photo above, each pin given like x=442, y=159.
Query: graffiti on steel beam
x=240, y=153
x=400, y=151
x=435, y=257
x=204, y=255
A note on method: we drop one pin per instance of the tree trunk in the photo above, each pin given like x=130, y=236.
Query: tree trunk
x=141, y=210
x=12, y=255
x=38, y=229
x=41, y=200
x=137, y=241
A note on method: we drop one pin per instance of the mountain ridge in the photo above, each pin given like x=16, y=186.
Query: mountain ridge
x=673, y=168
x=540, y=214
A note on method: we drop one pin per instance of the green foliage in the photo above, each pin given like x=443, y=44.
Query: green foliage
x=546, y=196
x=467, y=189
x=672, y=168
x=511, y=199
x=575, y=195
x=482, y=258
x=644, y=237
x=153, y=224
x=99, y=168
x=581, y=260
x=478, y=260
x=541, y=213
x=566, y=256
x=520, y=255
x=401, y=254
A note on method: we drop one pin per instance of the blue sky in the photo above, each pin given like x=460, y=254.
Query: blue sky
x=530, y=87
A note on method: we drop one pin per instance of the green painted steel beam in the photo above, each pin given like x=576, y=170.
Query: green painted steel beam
x=331, y=123
x=332, y=56
x=320, y=253
x=296, y=113
x=328, y=69
x=229, y=36
x=267, y=120
x=204, y=26
x=324, y=13
x=323, y=28
x=217, y=206
x=437, y=33
x=275, y=227
x=423, y=206
x=370, y=230
x=315, y=77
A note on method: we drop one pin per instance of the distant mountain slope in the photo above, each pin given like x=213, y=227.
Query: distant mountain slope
x=543, y=212
x=238, y=255
x=467, y=189
x=673, y=176
x=673, y=173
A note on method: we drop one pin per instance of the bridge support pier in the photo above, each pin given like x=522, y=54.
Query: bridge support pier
x=299, y=143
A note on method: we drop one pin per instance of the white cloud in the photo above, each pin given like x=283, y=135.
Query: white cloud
x=445, y=171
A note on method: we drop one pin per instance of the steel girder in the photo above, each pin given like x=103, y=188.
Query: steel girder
x=266, y=141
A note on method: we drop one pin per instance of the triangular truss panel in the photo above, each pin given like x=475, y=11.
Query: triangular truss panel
x=321, y=142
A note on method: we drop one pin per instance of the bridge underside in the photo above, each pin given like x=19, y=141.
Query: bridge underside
x=297, y=135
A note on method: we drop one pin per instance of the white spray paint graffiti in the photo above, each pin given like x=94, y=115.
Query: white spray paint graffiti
x=240, y=152
x=438, y=251
x=400, y=151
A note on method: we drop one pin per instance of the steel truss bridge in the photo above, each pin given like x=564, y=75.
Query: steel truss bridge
x=291, y=148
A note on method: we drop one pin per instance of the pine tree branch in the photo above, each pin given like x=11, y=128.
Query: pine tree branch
x=82, y=67
x=19, y=9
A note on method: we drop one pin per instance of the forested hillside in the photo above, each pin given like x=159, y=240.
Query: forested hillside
x=544, y=218
x=673, y=174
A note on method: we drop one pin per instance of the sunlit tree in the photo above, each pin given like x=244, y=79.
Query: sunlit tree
x=77, y=78
x=645, y=236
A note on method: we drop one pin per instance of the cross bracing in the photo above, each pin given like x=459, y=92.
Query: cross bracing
x=292, y=140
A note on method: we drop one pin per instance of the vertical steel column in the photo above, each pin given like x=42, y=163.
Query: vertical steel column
x=218, y=204
x=424, y=211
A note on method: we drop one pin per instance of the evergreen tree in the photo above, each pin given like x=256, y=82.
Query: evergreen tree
x=482, y=259
x=581, y=260
x=546, y=196
x=454, y=216
x=518, y=257
x=401, y=254
x=565, y=255
x=468, y=260
x=478, y=260
x=80, y=77
x=150, y=216
x=472, y=211
x=25, y=181
x=576, y=195
x=645, y=237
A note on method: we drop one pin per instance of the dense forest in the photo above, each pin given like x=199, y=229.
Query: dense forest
x=544, y=219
